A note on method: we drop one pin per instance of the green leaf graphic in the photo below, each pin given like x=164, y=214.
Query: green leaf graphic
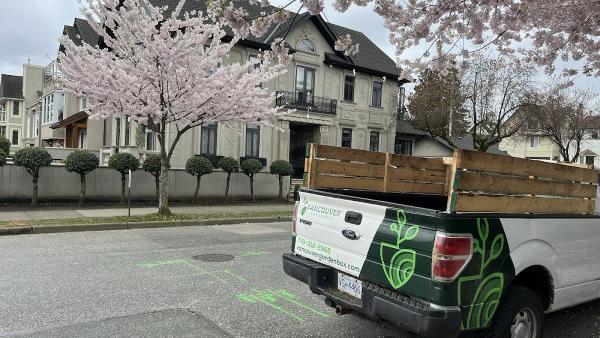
x=401, y=266
x=483, y=228
x=486, y=301
x=497, y=246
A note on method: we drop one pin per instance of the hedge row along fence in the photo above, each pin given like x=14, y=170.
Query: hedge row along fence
x=82, y=163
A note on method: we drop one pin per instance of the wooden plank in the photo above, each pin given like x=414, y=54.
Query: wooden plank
x=474, y=160
x=452, y=176
x=523, y=204
x=347, y=154
x=343, y=182
x=415, y=187
x=386, y=173
x=411, y=174
x=495, y=184
x=350, y=168
x=308, y=167
x=417, y=162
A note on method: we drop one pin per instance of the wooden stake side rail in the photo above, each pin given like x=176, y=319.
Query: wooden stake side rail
x=473, y=181
x=485, y=182
x=344, y=168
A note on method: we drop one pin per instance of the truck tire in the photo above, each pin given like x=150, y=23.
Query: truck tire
x=520, y=314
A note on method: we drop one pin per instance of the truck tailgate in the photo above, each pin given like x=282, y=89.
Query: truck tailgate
x=388, y=246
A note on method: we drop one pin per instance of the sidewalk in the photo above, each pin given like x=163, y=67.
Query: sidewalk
x=7, y=216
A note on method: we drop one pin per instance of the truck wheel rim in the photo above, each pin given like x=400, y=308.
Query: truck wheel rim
x=524, y=325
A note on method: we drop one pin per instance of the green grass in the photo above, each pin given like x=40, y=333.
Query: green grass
x=147, y=218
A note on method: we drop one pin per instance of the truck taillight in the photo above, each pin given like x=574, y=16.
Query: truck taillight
x=451, y=254
x=294, y=217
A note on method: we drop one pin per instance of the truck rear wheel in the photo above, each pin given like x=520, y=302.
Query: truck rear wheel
x=520, y=315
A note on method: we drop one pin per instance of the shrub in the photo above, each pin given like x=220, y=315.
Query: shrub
x=151, y=165
x=32, y=159
x=123, y=162
x=281, y=169
x=81, y=162
x=198, y=166
x=5, y=145
x=251, y=167
x=229, y=165
x=2, y=158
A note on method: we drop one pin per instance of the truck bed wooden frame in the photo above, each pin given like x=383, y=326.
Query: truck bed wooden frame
x=472, y=181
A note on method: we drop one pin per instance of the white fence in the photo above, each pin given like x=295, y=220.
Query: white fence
x=104, y=184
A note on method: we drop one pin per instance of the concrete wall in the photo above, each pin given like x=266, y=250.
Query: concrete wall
x=104, y=184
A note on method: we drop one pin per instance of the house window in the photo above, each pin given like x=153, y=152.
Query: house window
x=534, y=142
x=118, y=132
x=3, y=131
x=374, y=141
x=590, y=159
x=252, y=140
x=208, y=139
x=596, y=135
x=82, y=103
x=127, y=129
x=349, y=88
x=346, y=137
x=305, y=83
x=377, y=93
x=15, y=138
x=36, y=127
x=53, y=106
x=403, y=146
x=3, y=112
x=307, y=46
x=16, y=108
x=254, y=58
x=29, y=127
x=150, y=140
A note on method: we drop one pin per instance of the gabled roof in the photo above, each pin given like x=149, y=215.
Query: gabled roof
x=369, y=59
x=11, y=86
x=466, y=142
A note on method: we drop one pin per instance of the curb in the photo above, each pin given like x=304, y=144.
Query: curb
x=50, y=229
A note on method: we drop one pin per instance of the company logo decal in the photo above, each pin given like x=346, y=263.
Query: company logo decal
x=400, y=267
x=318, y=210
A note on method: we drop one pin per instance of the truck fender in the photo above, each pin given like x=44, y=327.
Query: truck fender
x=535, y=252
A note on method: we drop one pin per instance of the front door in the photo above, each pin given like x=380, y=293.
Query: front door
x=300, y=136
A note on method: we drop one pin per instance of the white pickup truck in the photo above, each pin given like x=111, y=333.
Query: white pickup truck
x=410, y=259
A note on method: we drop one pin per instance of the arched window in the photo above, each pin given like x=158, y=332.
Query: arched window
x=307, y=46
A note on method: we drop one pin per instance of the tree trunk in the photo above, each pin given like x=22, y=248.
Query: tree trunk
x=157, y=184
x=280, y=187
x=227, y=186
x=82, y=193
x=34, y=195
x=252, y=188
x=195, y=199
x=163, y=203
x=122, y=189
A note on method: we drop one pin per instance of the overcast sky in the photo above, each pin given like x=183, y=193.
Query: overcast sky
x=29, y=29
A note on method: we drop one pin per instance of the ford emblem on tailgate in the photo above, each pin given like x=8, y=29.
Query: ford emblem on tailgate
x=350, y=234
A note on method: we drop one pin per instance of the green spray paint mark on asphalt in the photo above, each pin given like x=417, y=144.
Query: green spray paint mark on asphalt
x=269, y=301
x=198, y=270
x=253, y=253
x=292, y=298
x=401, y=266
x=274, y=300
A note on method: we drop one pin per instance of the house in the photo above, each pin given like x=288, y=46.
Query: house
x=348, y=101
x=415, y=142
x=11, y=109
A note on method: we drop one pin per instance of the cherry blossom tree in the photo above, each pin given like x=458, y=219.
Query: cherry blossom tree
x=168, y=70
x=451, y=31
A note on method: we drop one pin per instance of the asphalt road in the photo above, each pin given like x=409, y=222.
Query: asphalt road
x=146, y=283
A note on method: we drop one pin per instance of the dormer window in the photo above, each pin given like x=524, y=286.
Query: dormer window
x=307, y=46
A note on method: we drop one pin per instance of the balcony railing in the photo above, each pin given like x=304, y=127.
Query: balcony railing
x=309, y=103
